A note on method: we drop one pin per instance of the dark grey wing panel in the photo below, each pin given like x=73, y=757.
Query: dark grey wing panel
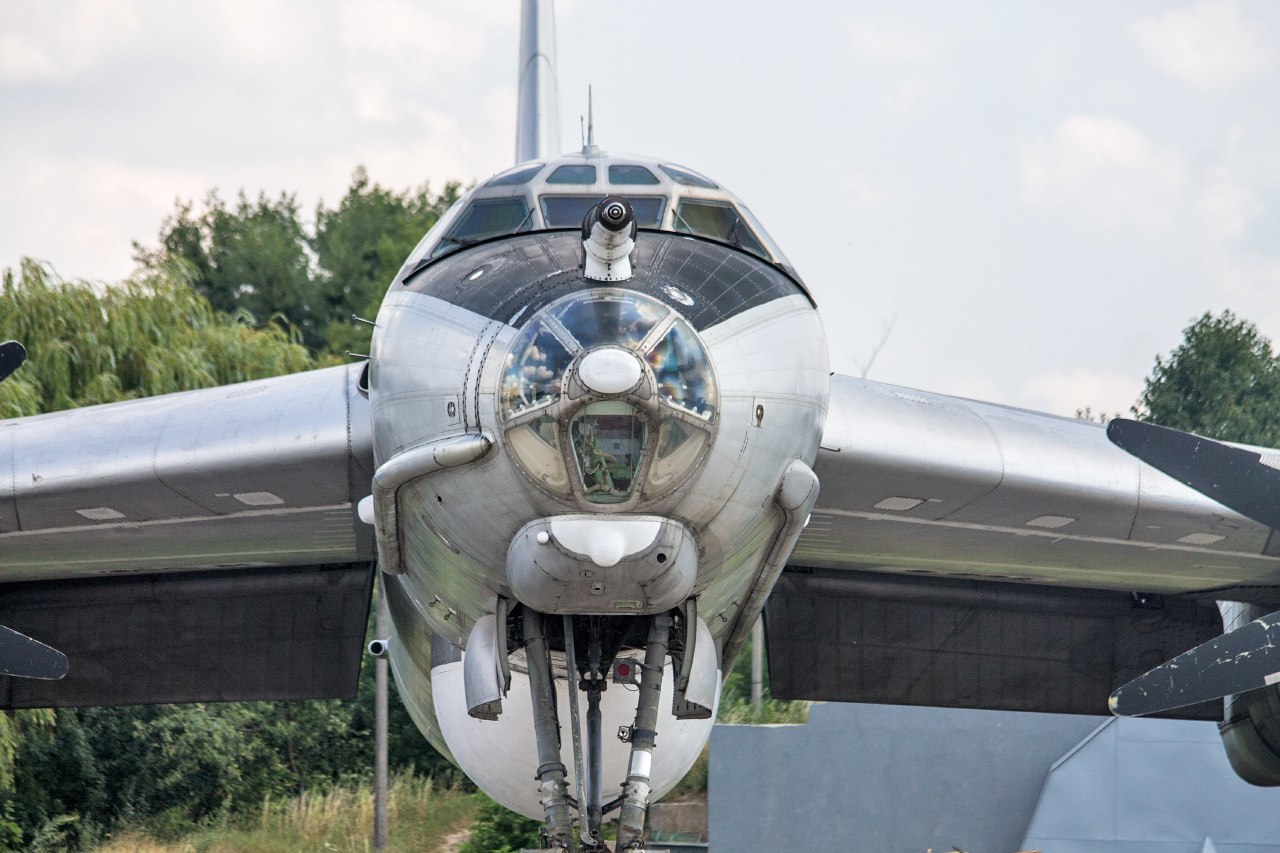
x=269, y=633
x=263, y=473
x=868, y=637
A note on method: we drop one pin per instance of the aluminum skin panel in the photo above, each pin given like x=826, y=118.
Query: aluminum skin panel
x=510, y=279
x=238, y=634
x=933, y=485
x=258, y=473
x=868, y=637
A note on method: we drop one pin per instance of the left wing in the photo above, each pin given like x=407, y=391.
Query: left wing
x=214, y=526
x=988, y=556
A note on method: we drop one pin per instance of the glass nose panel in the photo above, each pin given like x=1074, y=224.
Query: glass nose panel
x=532, y=374
x=682, y=373
x=608, y=437
x=609, y=318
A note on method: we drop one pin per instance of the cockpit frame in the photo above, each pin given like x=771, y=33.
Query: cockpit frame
x=532, y=185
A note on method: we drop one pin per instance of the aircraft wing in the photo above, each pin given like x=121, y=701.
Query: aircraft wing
x=975, y=555
x=216, y=526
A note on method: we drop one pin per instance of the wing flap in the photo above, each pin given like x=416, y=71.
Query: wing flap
x=293, y=632
x=865, y=637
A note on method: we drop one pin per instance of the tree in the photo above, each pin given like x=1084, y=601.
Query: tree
x=259, y=259
x=150, y=335
x=361, y=244
x=251, y=259
x=1222, y=381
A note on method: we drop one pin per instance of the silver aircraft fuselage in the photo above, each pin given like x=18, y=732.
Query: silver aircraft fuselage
x=584, y=447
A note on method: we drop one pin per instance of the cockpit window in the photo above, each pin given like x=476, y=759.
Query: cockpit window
x=516, y=178
x=717, y=220
x=623, y=174
x=573, y=175
x=609, y=318
x=567, y=211
x=490, y=217
x=689, y=179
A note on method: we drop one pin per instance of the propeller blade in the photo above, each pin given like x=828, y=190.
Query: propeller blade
x=1235, y=478
x=12, y=354
x=1240, y=660
x=23, y=657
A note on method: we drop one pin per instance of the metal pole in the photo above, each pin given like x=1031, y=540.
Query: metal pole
x=757, y=664
x=380, y=727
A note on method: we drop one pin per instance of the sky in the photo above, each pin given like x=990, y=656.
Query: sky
x=1021, y=202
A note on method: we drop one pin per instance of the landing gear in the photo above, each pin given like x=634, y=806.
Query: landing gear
x=546, y=729
x=590, y=644
x=635, y=791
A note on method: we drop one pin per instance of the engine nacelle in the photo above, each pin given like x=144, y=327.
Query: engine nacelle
x=1251, y=735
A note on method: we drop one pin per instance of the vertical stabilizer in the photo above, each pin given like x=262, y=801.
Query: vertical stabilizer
x=538, y=109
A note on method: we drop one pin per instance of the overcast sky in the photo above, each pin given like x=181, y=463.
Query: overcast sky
x=1037, y=197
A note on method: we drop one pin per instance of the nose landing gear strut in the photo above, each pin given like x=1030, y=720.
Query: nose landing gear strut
x=589, y=677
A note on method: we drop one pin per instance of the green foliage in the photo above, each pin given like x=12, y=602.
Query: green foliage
x=360, y=246
x=421, y=815
x=258, y=259
x=735, y=697
x=499, y=830
x=153, y=334
x=1223, y=381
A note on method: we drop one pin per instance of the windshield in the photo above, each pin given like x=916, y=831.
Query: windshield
x=567, y=211
x=717, y=220
x=486, y=218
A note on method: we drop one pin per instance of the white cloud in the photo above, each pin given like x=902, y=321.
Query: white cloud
x=1225, y=206
x=893, y=46
x=42, y=41
x=405, y=31
x=1206, y=46
x=1105, y=171
x=1063, y=392
x=859, y=189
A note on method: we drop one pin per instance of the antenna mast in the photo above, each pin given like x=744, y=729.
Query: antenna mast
x=538, y=107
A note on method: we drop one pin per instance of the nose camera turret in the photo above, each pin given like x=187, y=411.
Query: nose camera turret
x=608, y=239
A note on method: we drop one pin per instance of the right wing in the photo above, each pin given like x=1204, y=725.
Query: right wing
x=192, y=546
x=974, y=555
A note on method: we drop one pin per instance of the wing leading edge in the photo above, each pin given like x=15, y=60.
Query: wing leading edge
x=201, y=546
x=922, y=483
x=263, y=473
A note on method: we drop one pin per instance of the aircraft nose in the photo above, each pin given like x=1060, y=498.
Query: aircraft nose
x=610, y=370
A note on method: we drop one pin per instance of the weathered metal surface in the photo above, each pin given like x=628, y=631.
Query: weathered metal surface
x=934, y=485
x=259, y=473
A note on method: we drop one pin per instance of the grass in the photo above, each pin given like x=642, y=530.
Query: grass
x=422, y=817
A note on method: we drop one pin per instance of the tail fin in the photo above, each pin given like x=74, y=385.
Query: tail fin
x=538, y=109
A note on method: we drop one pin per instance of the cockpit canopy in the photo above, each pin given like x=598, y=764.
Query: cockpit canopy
x=558, y=193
